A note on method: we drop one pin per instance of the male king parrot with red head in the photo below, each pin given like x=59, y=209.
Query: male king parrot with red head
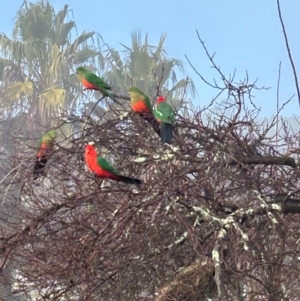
x=91, y=81
x=165, y=116
x=102, y=169
x=45, y=148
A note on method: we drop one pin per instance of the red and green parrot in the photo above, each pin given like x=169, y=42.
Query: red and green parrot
x=45, y=148
x=164, y=114
x=91, y=81
x=102, y=169
x=140, y=102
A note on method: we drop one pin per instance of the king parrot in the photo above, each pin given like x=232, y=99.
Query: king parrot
x=94, y=82
x=102, y=169
x=165, y=116
x=140, y=102
x=45, y=148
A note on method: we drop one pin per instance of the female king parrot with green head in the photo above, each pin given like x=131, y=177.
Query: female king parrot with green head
x=165, y=116
x=141, y=105
x=91, y=81
x=140, y=102
x=45, y=148
x=102, y=169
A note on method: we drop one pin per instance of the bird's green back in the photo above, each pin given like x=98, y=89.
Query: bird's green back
x=96, y=80
x=165, y=113
x=92, y=78
x=47, y=139
x=105, y=165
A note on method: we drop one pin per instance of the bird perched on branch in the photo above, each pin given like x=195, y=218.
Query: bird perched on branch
x=102, y=169
x=141, y=105
x=45, y=148
x=164, y=114
x=91, y=81
x=140, y=102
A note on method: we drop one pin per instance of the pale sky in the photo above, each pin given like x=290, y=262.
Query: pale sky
x=246, y=35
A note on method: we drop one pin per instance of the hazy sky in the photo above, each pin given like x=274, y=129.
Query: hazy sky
x=246, y=35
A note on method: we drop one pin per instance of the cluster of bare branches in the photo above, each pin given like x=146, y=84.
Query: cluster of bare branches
x=216, y=217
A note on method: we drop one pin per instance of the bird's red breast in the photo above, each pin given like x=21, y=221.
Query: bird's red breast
x=89, y=85
x=92, y=163
x=140, y=107
x=90, y=155
x=44, y=151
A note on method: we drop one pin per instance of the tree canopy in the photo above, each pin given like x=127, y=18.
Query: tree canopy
x=216, y=217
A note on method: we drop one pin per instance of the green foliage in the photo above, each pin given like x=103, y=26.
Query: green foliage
x=42, y=49
x=148, y=68
x=3, y=64
x=34, y=22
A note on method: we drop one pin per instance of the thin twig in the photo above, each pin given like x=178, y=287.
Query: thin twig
x=289, y=51
x=90, y=115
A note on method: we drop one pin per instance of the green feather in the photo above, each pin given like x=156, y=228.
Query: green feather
x=106, y=166
x=47, y=139
x=97, y=81
x=165, y=113
x=137, y=95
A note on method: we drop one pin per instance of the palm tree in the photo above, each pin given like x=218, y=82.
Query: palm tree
x=148, y=68
x=37, y=62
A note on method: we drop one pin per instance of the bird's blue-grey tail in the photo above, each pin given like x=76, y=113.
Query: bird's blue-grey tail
x=166, y=132
x=129, y=180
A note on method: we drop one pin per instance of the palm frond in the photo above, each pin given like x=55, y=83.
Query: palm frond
x=146, y=66
x=84, y=55
x=63, y=33
x=54, y=96
x=81, y=39
x=18, y=89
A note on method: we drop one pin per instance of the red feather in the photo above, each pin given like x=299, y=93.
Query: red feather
x=140, y=107
x=160, y=99
x=91, y=160
x=92, y=163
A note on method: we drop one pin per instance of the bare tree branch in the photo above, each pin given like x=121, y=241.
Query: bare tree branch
x=289, y=51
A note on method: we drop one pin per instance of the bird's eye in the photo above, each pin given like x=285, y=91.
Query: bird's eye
x=77, y=72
